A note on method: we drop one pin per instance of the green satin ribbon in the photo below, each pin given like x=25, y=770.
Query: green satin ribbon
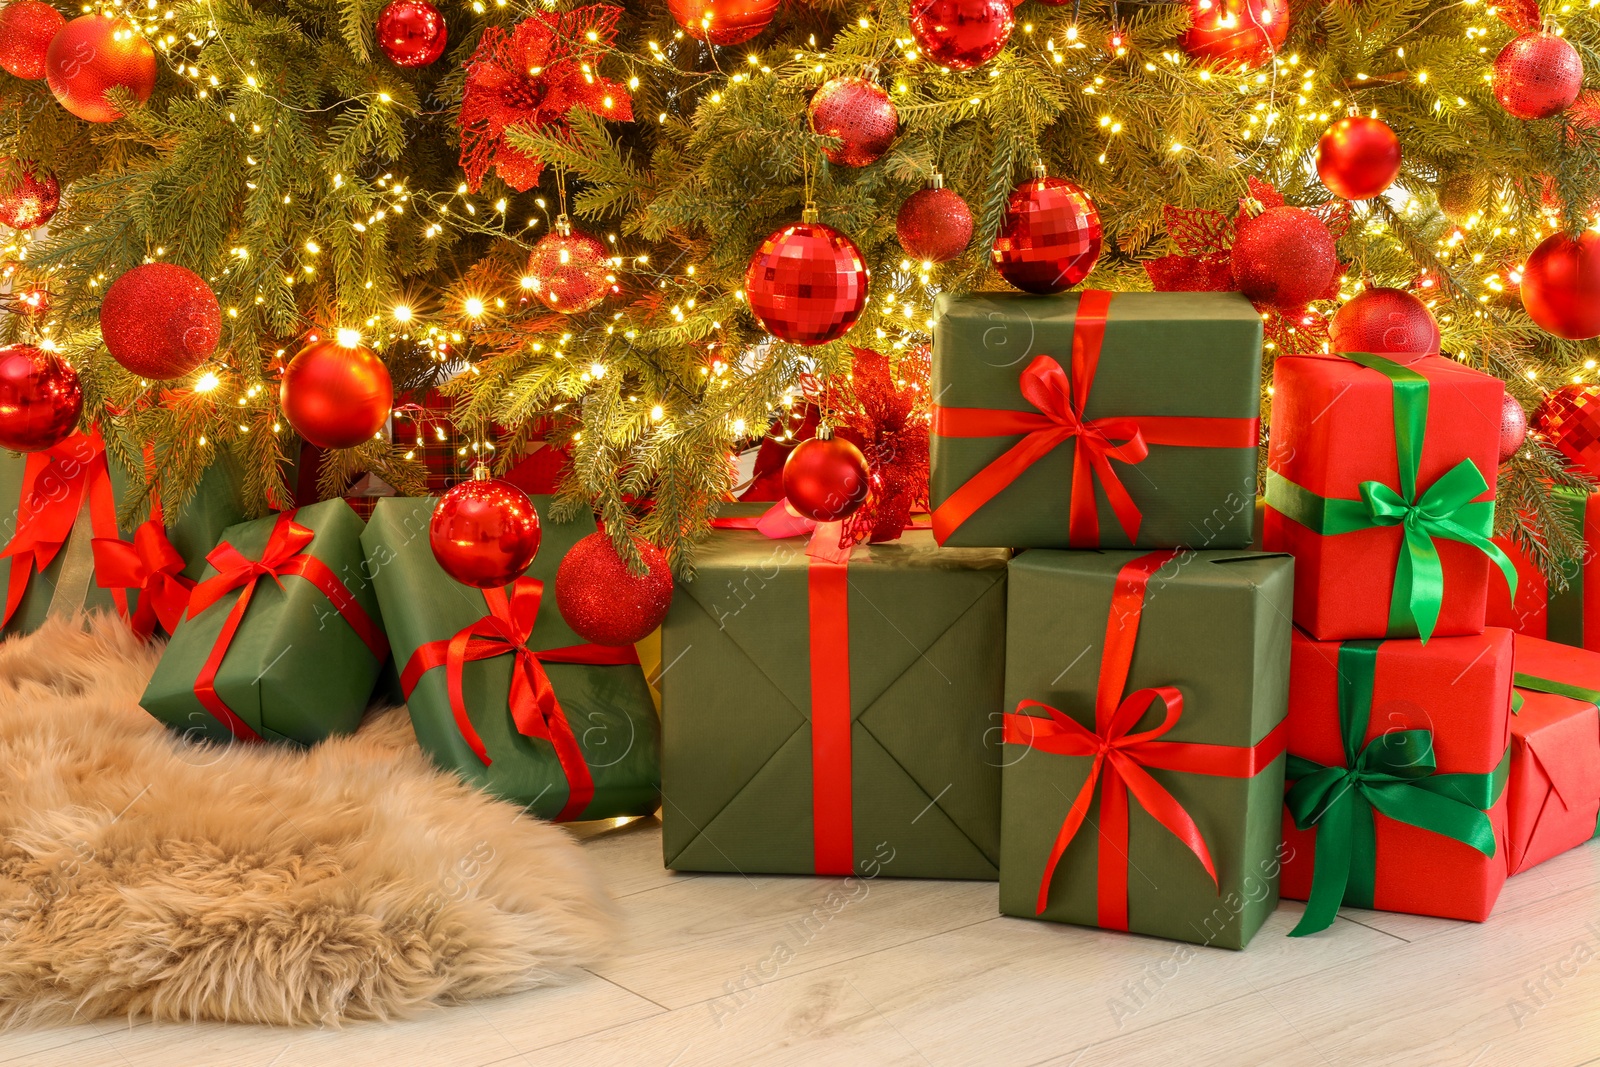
x=1446, y=509
x=1553, y=687
x=1394, y=773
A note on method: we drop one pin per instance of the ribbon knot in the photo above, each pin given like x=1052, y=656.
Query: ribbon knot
x=236, y=571
x=151, y=565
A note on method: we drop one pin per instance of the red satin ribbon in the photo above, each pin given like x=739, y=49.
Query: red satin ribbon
x=1060, y=401
x=535, y=709
x=1121, y=756
x=150, y=565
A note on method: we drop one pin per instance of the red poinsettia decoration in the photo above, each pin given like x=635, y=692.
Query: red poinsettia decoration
x=531, y=78
x=887, y=412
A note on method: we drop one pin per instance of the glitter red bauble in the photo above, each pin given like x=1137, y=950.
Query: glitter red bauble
x=412, y=33
x=93, y=54
x=1358, y=157
x=1513, y=427
x=826, y=479
x=1537, y=75
x=1284, y=257
x=961, y=34
x=29, y=196
x=807, y=284
x=1384, y=320
x=567, y=270
x=601, y=598
x=26, y=30
x=722, y=22
x=1049, y=240
x=484, y=533
x=1561, y=285
x=336, y=396
x=860, y=114
x=934, y=224
x=40, y=399
x=160, y=321
x=1570, y=419
x=1236, y=33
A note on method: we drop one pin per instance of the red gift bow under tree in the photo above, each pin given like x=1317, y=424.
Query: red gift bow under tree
x=149, y=565
x=1122, y=757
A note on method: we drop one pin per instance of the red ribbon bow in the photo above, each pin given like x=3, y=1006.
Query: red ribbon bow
x=150, y=565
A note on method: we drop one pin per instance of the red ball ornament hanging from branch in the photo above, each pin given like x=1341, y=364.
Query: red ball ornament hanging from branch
x=568, y=271
x=859, y=113
x=603, y=600
x=1050, y=237
x=40, y=399
x=1569, y=419
x=1384, y=320
x=722, y=22
x=1358, y=158
x=26, y=29
x=807, y=283
x=1284, y=257
x=1561, y=285
x=826, y=478
x=30, y=196
x=484, y=532
x=412, y=33
x=335, y=393
x=934, y=224
x=961, y=34
x=160, y=321
x=1537, y=75
x=94, y=54
x=1240, y=34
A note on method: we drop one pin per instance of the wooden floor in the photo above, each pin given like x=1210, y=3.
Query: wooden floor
x=734, y=970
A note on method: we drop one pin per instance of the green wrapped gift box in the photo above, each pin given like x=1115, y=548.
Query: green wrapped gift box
x=566, y=728
x=283, y=640
x=828, y=718
x=1095, y=420
x=1144, y=746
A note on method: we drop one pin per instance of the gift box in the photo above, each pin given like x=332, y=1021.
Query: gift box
x=500, y=689
x=1144, y=749
x=1095, y=420
x=282, y=640
x=1398, y=759
x=1570, y=615
x=828, y=715
x=1380, y=482
x=1553, y=797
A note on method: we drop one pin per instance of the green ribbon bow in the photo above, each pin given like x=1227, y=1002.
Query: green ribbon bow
x=1394, y=773
x=1446, y=509
x=1536, y=684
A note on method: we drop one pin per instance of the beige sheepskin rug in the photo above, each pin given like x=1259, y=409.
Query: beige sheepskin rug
x=142, y=875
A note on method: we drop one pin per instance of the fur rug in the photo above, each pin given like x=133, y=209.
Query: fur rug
x=141, y=875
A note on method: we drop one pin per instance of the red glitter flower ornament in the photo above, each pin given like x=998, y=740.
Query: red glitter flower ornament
x=888, y=412
x=531, y=78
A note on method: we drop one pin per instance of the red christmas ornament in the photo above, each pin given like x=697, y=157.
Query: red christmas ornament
x=826, y=478
x=888, y=409
x=603, y=600
x=160, y=321
x=722, y=22
x=1242, y=34
x=412, y=33
x=1513, y=427
x=336, y=394
x=961, y=34
x=40, y=399
x=1561, y=285
x=567, y=270
x=485, y=532
x=1537, y=75
x=1049, y=240
x=96, y=53
x=26, y=30
x=807, y=283
x=934, y=224
x=860, y=114
x=1358, y=158
x=1284, y=257
x=1384, y=320
x=1570, y=419
x=29, y=195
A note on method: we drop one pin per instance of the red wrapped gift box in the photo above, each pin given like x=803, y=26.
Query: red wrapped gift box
x=1553, y=798
x=1570, y=616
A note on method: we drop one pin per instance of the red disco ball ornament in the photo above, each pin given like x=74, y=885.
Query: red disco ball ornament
x=29, y=195
x=1537, y=75
x=1570, y=419
x=567, y=270
x=40, y=399
x=1561, y=285
x=94, y=54
x=412, y=33
x=160, y=321
x=1236, y=33
x=1358, y=158
x=485, y=532
x=722, y=22
x=1513, y=427
x=825, y=478
x=1284, y=257
x=26, y=30
x=860, y=114
x=603, y=600
x=1384, y=320
x=1049, y=240
x=961, y=34
x=934, y=224
x=335, y=393
x=807, y=283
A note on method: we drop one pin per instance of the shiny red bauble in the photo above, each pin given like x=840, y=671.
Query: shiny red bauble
x=1384, y=320
x=336, y=395
x=485, y=533
x=1050, y=237
x=722, y=22
x=567, y=270
x=96, y=53
x=30, y=196
x=826, y=478
x=1513, y=427
x=1537, y=75
x=860, y=114
x=961, y=34
x=1284, y=257
x=1358, y=158
x=412, y=33
x=26, y=30
x=603, y=600
x=1242, y=34
x=1561, y=285
x=807, y=284
x=934, y=224
x=1569, y=419
x=40, y=399
x=160, y=321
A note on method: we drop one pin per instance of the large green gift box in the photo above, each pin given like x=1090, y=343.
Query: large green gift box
x=823, y=717
x=283, y=640
x=1144, y=746
x=501, y=690
x=1095, y=420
